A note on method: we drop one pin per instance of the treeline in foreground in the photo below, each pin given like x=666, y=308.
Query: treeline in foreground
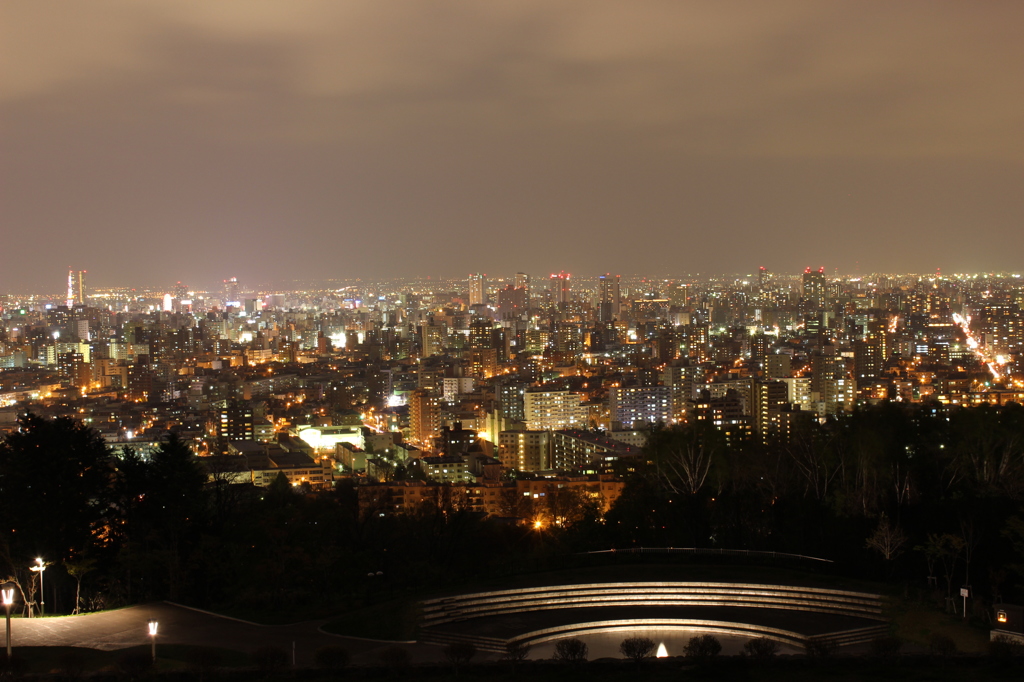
x=759, y=660
x=893, y=492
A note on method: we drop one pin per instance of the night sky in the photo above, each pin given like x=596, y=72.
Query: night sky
x=150, y=142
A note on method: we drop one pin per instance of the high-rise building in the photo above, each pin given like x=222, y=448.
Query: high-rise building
x=231, y=293
x=640, y=406
x=510, y=400
x=684, y=379
x=524, y=450
x=480, y=333
x=433, y=338
x=560, y=289
x=76, y=288
x=609, y=298
x=234, y=421
x=512, y=302
x=554, y=410
x=74, y=368
x=522, y=281
x=814, y=286
x=778, y=366
x=767, y=399
x=477, y=289
x=424, y=416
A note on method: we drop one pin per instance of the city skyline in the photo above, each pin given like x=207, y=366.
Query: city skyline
x=589, y=284
x=161, y=142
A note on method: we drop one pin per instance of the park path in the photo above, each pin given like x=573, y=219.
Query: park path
x=127, y=627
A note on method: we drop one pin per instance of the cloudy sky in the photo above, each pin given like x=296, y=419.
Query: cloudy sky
x=149, y=142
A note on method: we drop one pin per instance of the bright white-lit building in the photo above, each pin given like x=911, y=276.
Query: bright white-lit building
x=552, y=410
x=326, y=437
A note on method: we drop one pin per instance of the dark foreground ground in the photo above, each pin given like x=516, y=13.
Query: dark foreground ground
x=52, y=663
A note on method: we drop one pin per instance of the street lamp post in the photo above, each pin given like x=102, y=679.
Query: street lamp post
x=152, y=637
x=8, y=596
x=40, y=568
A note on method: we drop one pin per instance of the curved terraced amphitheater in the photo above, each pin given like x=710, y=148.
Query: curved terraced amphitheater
x=790, y=614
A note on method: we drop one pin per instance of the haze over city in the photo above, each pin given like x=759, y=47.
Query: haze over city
x=162, y=141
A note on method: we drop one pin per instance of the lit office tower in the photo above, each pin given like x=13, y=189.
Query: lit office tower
x=640, y=406
x=763, y=278
x=814, y=286
x=477, y=289
x=522, y=281
x=235, y=421
x=512, y=302
x=231, y=292
x=609, y=299
x=560, y=289
x=424, y=416
x=76, y=288
x=433, y=338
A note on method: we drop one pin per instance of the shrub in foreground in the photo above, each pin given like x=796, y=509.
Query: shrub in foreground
x=516, y=652
x=636, y=649
x=703, y=648
x=459, y=653
x=572, y=651
x=761, y=648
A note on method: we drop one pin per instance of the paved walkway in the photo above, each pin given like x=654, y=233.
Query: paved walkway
x=127, y=627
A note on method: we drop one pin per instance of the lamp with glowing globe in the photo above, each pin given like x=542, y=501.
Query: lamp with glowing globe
x=153, y=625
x=40, y=568
x=8, y=598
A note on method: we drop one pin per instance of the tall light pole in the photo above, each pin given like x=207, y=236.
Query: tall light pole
x=8, y=596
x=153, y=625
x=40, y=568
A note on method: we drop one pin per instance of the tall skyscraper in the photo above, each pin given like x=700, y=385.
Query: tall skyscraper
x=560, y=289
x=522, y=281
x=477, y=289
x=433, y=338
x=513, y=301
x=609, y=300
x=424, y=416
x=231, y=293
x=76, y=288
x=814, y=286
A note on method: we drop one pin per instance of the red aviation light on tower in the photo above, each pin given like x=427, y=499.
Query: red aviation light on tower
x=821, y=270
x=807, y=270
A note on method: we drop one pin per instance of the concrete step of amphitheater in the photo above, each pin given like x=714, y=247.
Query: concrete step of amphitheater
x=840, y=602
x=852, y=637
x=491, y=644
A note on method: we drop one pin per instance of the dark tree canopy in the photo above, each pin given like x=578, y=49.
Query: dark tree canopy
x=55, y=479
